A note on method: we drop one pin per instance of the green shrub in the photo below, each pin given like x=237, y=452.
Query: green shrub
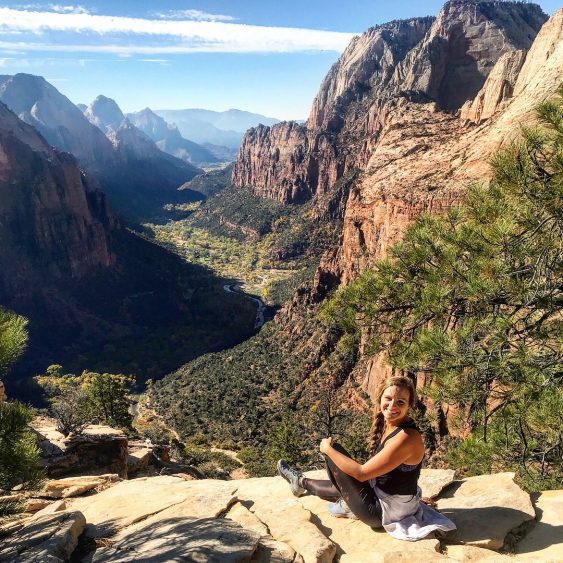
x=19, y=454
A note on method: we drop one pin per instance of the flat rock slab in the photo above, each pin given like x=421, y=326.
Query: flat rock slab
x=153, y=498
x=485, y=509
x=470, y=553
x=357, y=542
x=202, y=540
x=268, y=549
x=545, y=541
x=75, y=486
x=287, y=520
x=49, y=538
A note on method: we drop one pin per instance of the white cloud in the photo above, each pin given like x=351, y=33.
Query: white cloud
x=59, y=8
x=68, y=9
x=195, y=15
x=127, y=36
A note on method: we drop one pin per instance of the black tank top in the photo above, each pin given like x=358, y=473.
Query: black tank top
x=403, y=480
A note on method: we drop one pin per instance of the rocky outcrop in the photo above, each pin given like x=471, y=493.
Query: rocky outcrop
x=48, y=538
x=99, y=450
x=498, y=88
x=166, y=518
x=90, y=454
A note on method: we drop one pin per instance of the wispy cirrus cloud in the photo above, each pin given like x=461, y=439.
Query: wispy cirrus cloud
x=86, y=32
x=58, y=8
x=195, y=15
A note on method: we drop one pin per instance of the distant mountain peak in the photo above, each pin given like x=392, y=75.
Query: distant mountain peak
x=104, y=113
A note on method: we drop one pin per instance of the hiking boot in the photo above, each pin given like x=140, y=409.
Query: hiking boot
x=292, y=477
x=340, y=509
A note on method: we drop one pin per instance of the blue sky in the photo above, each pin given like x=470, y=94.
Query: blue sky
x=262, y=56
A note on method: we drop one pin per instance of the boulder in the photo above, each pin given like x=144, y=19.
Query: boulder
x=183, y=539
x=52, y=537
x=75, y=486
x=544, y=542
x=139, y=456
x=90, y=454
x=433, y=481
x=485, y=509
x=99, y=449
x=51, y=508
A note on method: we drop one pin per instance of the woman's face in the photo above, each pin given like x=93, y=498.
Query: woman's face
x=394, y=404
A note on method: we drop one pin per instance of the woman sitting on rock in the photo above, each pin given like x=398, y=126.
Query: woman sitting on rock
x=383, y=491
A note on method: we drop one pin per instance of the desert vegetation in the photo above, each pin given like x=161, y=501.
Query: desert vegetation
x=271, y=248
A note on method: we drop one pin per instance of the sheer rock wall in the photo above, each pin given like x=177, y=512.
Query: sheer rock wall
x=416, y=107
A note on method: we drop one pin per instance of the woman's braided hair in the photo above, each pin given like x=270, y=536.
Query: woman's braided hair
x=378, y=424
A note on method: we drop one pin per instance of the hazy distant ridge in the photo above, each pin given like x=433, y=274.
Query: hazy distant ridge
x=217, y=127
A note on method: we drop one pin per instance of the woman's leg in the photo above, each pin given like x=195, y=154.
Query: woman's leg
x=360, y=497
x=322, y=488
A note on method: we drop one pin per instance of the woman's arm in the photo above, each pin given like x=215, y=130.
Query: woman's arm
x=398, y=450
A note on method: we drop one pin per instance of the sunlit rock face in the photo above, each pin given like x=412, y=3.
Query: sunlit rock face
x=416, y=108
x=61, y=123
x=290, y=162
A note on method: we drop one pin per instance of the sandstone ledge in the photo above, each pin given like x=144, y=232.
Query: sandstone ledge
x=166, y=518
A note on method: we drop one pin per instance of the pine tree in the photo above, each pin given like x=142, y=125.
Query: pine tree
x=474, y=299
x=19, y=454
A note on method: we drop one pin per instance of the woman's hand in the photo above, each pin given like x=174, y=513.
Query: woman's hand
x=326, y=444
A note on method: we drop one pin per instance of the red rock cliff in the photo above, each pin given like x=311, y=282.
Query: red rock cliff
x=391, y=107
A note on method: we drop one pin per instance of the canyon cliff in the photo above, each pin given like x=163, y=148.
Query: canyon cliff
x=415, y=108
x=45, y=189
